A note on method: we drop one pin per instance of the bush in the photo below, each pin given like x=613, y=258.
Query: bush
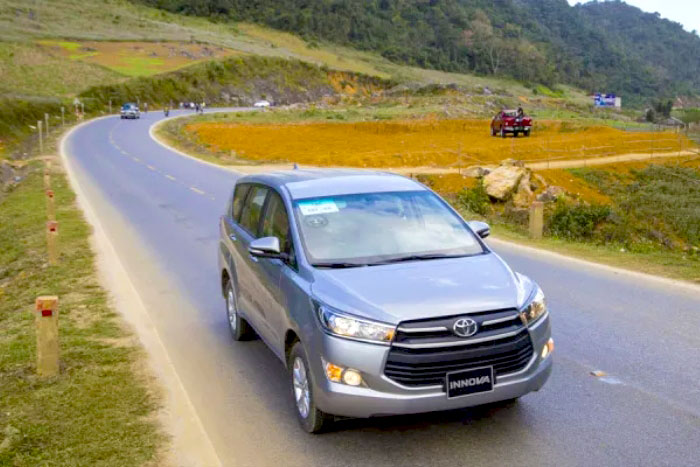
x=577, y=221
x=475, y=199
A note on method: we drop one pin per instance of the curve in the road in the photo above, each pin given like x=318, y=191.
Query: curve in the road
x=159, y=211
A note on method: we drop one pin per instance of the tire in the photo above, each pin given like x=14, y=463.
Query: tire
x=527, y=133
x=493, y=131
x=311, y=419
x=239, y=327
x=515, y=134
x=503, y=133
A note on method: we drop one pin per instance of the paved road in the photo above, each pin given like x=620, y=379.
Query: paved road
x=161, y=210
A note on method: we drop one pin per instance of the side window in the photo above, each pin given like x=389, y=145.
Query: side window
x=239, y=195
x=250, y=215
x=276, y=224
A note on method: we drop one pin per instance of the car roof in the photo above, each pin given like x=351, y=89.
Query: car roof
x=310, y=183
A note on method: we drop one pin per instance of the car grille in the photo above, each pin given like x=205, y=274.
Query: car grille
x=424, y=351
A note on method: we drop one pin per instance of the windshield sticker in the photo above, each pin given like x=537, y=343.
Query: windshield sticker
x=312, y=208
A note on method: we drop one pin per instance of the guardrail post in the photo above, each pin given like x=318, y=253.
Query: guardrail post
x=52, y=241
x=47, y=348
x=536, y=219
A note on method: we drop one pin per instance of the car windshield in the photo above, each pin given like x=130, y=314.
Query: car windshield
x=379, y=228
x=511, y=113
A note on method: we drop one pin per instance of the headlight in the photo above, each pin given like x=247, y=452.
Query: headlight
x=355, y=328
x=534, y=309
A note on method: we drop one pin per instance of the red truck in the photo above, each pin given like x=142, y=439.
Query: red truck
x=508, y=121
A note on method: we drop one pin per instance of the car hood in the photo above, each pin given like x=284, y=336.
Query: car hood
x=422, y=289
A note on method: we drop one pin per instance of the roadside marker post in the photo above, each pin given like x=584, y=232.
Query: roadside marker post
x=47, y=348
x=52, y=241
x=39, y=125
x=47, y=175
x=536, y=219
x=50, y=208
x=46, y=120
x=63, y=116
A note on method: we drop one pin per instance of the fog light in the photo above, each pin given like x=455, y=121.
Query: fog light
x=333, y=372
x=352, y=377
x=548, y=348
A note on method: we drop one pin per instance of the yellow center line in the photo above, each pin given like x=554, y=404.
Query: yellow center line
x=196, y=190
x=170, y=177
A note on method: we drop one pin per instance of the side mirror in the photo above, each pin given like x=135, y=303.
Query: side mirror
x=266, y=247
x=482, y=229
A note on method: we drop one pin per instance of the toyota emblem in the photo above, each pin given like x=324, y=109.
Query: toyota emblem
x=465, y=327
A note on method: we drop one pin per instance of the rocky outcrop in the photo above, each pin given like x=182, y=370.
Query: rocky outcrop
x=476, y=171
x=523, y=196
x=551, y=193
x=502, y=181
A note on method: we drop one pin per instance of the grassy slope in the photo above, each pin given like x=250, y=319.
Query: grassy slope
x=30, y=70
x=22, y=20
x=100, y=409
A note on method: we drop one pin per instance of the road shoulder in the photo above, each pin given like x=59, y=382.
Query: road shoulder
x=190, y=442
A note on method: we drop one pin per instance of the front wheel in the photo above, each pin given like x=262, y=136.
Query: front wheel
x=310, y=417
x=527, y=133
x=239, y=327
x=493, y=131
x=503, y=133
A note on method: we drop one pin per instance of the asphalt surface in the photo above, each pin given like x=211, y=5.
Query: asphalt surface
x=161, y=213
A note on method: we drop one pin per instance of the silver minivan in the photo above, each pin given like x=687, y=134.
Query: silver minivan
x=378, y=297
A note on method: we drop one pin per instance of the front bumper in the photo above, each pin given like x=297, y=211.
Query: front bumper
x=383, y=396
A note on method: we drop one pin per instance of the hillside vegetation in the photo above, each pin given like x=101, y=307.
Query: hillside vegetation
x=606, y=46
x=237, y=81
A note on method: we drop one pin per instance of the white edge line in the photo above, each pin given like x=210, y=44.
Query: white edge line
x=152, y=133
x=158, y=352
x=661, y=280
x=584, y=262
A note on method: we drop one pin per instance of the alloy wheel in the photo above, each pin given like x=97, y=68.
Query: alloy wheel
x=301, y=387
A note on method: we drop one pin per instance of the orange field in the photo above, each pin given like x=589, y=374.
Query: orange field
x=427, y=142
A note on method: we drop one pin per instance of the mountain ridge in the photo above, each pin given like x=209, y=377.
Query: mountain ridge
x=599, y=46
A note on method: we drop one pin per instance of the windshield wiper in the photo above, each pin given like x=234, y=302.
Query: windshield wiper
x=417, y=258
x=338, y=265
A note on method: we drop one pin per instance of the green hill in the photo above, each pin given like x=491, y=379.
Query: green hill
x=606, y=46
